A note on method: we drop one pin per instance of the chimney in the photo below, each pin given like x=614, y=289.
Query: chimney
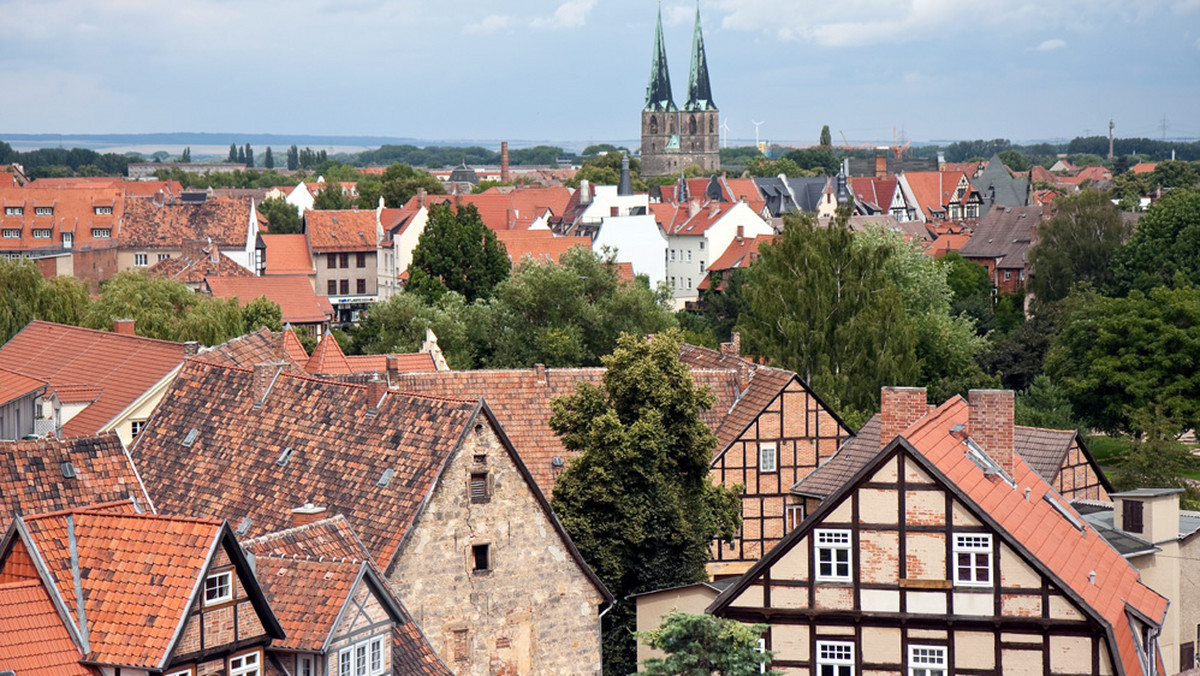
x=990, y=425
x=191, y=348
x=693, y=206
x=306, y=514
x=193, y=248
x=504, y=161
x=741, y=233
x=512, y=218
x=714, y=209
x=422, y=197
x=125, y=327
x=393, y=368
x=880, y=165
x=539, y=373
x=734, y=347
x=900, y=407
x=264, y=377
x=585, y=192
x=376, y=388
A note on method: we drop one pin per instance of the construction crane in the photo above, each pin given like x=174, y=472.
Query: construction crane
x=896, y=147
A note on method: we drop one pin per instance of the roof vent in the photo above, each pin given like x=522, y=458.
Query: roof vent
x=68, y=470
x=1064, y=511
x=386, y=478
x=285, y=456
x=1091, y=577
x=191, y=437
x=243, y=527
x=556, y=461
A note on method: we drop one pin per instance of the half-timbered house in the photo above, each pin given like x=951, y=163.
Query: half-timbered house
x=948, y=553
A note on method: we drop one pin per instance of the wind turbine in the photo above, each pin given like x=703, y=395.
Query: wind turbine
x=757, y=143
x=725, y=128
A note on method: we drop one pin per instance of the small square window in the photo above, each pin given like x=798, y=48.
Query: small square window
x=833, y=555
x=768, y=460
x=103, y=211
x=973, y=559
x=481, y=557
x=218, y=588
x=360, y=260
x=794, y=515
x=136, y=427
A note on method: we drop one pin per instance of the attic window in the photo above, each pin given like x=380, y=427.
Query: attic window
x=218, y=588
x=480, y=489
x=480, y=458
x=285, y=456
x=191, y=437
x=386, y=478
x=68, y=470
x=556, y=461
x=244, y=526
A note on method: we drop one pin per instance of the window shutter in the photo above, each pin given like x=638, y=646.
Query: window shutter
x=1132, y=520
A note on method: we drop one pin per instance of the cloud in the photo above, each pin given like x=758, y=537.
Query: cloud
x=1051, y=45
x=490, y=24
x=570, y=14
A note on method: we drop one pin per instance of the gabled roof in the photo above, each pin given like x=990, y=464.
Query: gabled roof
x=874, y=192
x=13, y=385
x=1030, y=517
x=35, y=476
x=122, y=367
x=152, y=224
x=74, y=211
x=1006, y=234
x=193, y=269
x=341, y=230
x=293, y=293
x=137, y=575
x=340, y=454
x=307, y=596
x=259, y=347
x=287, y=255
x=377, y=363
x=740, y=253
x=539, y=245
x=327, y=357
x=933, y=190
x=1010, y=191
x=33, y=638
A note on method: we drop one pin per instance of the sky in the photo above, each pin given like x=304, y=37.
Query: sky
x=576, y=70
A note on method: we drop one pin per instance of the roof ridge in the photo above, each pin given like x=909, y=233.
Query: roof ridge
x=274, y=535
x=94, y=510
x=103, y=332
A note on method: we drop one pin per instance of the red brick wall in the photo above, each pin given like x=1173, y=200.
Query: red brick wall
x=990, y=424
x=900, y=408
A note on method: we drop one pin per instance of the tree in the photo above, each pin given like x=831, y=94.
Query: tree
x=332, y=198
x=262, y=312
x=606, y=170
x=971, y=289
x=293, y=158
x=457, y=252
x=249, y=157
x=1015, y=160
x=268, y=159
x=164, y=309
x=25, y=296
x=464, y=330
x=282, y=218
x=1164, y=248
x=186, y=156
x=637, y=500
x=703, y=645
x=821, y=161
x=399, y=184
x=1120, y=358
x=241, y=155
x=1157, y=459
x=569, y=313
x=827, y=309
x=1076, y=245
x=1175, y=174
x=233, y=152
x=1044, y=404
x=826, y=137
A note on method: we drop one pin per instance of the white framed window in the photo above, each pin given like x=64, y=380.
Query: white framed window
x=103, y=211
x=11, y=233
x=793, y=515
x=1007, y=275
x=102, y=233
x=835, y=658
x=376, y=650
x=180, y=672
x=244, y=665
x=141, y=260
x=304, y=665
x=833, y=555
x=14, y=211
x=672, y=254
x=768, y=458
x=973, y=559
x=43, y=211
x=68, y=239
x=136, y=427
x=218, y=588
x=701, y=266
x=689, y=282
x=365, y=658
x=926, y=660
x=41, y=233
x=163, y=256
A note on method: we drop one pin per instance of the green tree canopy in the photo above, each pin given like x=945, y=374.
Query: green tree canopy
x=606, y=170
x=637, y=500
x=457, y=252
x=398, y=184
x=1015, y=160
x=1076, y=245
x=1164, y=247
x=463, y=329
x=164, y=309
x=1118, y=358
x=332, y=198
x=1175, y=174
x=826, y=138
x=282, y=218
x=25, y=296
x=703, y=645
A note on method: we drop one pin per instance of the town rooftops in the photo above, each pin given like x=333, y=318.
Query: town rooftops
x=47, y=475
x=91, y=217
x=120, y=367
x=287, y=255
x=198, y=261
x=538, y=245
x=152, y=223
x=258, y=347
x=341, y=230
x=13, y=385
x=1004, y=234
x=33, y=638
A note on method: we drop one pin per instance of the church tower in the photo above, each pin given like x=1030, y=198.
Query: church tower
x=673, y=140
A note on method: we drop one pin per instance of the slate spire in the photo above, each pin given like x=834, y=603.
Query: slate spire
x=625, y=186
x=699, y=92
x=658, y=91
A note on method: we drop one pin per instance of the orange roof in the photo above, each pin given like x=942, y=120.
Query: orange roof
x=258, y=347
x=1144, y=167
x=33, y=474
x=327, y=357
x=625, y=272
x=154, y=225
x=1094, y=174
x=540, y=245
x=306, y=596
x=293, y=293
x=76, y=182
x=933, y=190
x=287, y=255
x=33, y=638
x=150, y=188
x=340, y=230
x=968, y=168
x=946, y=243
x=536, y=201
x=194, y=268
x=65, y=210
x=123, y=367
x=740, y=253
x=377, y=363
x=13, y=385
x=678, y=220
x=876, y=192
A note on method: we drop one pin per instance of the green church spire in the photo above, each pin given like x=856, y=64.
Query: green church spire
x=658, y=91
x=699, y=92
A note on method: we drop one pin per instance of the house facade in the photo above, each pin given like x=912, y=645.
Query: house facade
x=947, y=553
x=345, y=251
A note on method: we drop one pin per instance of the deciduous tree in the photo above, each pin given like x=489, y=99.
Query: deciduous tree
x=1164, y=248
x=703, y=645
x=1076, y=245
x=332, y=197
x=282, y=218
x=637, y=500
x=457, y=252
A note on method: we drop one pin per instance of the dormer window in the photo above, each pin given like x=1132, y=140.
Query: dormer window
x=41, y=233
x=102, y=233
x=10, y=233
x=14, y=211
x=68, y=239
x=103, y=211
x=43, y=211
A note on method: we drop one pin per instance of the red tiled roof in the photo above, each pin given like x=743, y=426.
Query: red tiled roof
x=1144, y=167
x=327, y=357
x=328, y=538
x=876, y=192
x=287, y=255
x=945, y=244
x=306, y=596
x=259, y=347
x=625, y=272
x=153, y=225
x=739, y=254
x=33, y=638
x=338, y=459
x=968, y=168
x=193, y=269
x=74, y=211
x=33, y=477
x=293, y=293
x=340, y=230
x=377, y=363
x=933, y=190
x=122, y=367
x=540, y=245
x=13, y=385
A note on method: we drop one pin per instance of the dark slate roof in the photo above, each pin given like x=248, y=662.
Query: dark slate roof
x=339, y=453
x=699, y=91
x=658, y=89
x=1010, y=191
x=1042, y=449
x=797, y=194
x=1006, y=234
x=1126, y=543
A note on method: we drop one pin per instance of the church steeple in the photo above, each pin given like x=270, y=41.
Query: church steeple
x=699, y=92
x=658, y=91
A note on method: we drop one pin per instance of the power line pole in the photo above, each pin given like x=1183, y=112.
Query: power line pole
x=1163, y=126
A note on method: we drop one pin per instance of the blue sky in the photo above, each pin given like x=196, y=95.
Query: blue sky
x=576, y=70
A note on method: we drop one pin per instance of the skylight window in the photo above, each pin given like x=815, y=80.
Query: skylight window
x=386, y=478
x=244, y=526
x=191, y=437
x=1064, y=511
x=285, y=456
x=68, y=470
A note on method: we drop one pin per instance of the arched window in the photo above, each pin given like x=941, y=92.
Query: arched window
x=692, y=124
x=653, y=124
x=711, y=123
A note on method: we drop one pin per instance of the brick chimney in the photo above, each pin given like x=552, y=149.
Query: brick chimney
x=393, y=368
x=422, y=197
x=880, y=165
x=734, y=347
x=900, y=407
x=990, y=424
x=539, y=373
x=125, y=327
x=306, y=514
x=191, y=348
x=264, y=377
x=504, y=160
x=376, y=388
x=741, y=233
x=693, y=206
x=511, y=217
